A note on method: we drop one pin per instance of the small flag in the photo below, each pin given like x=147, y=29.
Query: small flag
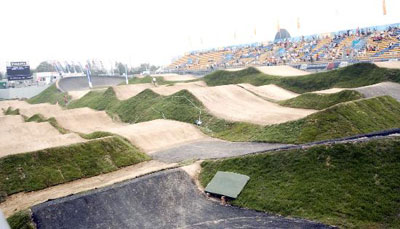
x=234, y=35
x=278, y=27
x=255, y=31
x=298, y=23
x=384, y=7
x=88, y=75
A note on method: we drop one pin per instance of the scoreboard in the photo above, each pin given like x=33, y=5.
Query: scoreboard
x=18, y=71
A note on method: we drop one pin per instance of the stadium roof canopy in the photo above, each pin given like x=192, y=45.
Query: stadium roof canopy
x=282, y=34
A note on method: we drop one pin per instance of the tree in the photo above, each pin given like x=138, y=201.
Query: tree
x=45, y=67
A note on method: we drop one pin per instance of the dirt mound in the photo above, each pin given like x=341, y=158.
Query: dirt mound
x=159, y=134
x=388, y=64
x=31, y=136
x=127, y=91
x=86, y=120
x=167, y=199
x=270, y=91
x=46, y=109
x=282, y=70
x=169, y=90
x=236, y=104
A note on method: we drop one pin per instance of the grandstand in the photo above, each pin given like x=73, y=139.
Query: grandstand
x=379, y=43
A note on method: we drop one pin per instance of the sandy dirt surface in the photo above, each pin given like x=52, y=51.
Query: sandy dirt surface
x=86, y=120
x=21, y=201
x=233, y=103
x=127, y=91
x=282, y=70
x=77, y=94
x=330, y=91
x=10, y=120
x=169, y=90
x=388, y=64
x=30, y=136
x=159, y=134
x=270, y=91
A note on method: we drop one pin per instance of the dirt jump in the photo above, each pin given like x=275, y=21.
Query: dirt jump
x=77, y=94
x=167, y=199
x=124, y=92
x=388, y=64
x=233, y=103
x=270, y=91
x=30, y=136
x=281, y=70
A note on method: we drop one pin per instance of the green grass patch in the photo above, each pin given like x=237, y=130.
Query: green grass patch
x=356, y=75
x=98, y=100
x=96, y=134
x=50, y=95
x=321, y=101
x=349, y=185
x=21, y=220
x=345, y=119
x=11, y=111
x=44, y=168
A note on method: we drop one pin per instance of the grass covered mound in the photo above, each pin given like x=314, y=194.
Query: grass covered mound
x=345, y=119
x=52, y=121
x=321, y=101
x=11, y=111
x=21, y=220
x=349, y=185
x=44, y=168
x=50, y=95
x=98, y=100
x=356, y=75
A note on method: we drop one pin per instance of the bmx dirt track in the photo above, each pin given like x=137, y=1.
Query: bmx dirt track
x=149, y=136
x=270, y=91
x=18, y=136
x=234, y=103
x=167, y=199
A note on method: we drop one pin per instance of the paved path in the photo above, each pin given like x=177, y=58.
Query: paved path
x=212, y=149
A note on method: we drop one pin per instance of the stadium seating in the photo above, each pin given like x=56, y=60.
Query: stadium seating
x=366, y=44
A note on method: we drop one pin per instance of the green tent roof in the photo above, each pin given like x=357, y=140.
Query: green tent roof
x=227, y=184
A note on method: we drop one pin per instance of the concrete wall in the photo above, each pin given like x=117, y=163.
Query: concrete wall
x=23, y=92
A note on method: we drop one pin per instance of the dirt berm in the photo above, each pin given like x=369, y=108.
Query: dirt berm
x=167, y=199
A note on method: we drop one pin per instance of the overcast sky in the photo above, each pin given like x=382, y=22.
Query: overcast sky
x=156, y=31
